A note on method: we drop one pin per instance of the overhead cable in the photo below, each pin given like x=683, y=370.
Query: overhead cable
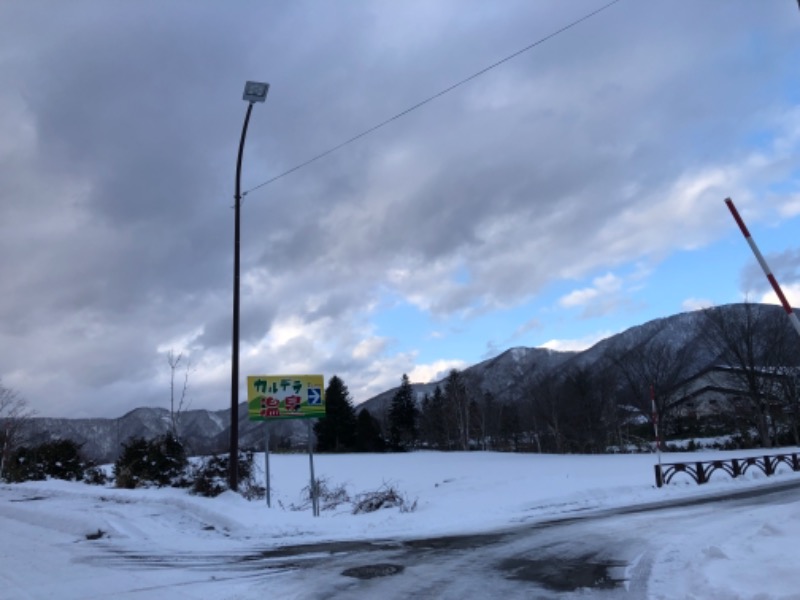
x=433, y=97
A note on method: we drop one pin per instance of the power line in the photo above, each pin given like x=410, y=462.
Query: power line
x=434, y=96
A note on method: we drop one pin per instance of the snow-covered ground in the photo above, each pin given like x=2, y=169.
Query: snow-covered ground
x=44, y=526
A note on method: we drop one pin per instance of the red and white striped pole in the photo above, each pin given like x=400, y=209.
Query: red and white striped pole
x=770, y=277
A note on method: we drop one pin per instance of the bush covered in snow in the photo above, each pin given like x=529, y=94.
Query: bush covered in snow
x=210, y=476
x=59, y=459
x=161, y=461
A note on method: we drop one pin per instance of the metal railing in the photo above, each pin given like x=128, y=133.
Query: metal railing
x=700, y=471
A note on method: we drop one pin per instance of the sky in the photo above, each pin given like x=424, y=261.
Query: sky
x=570, y=193
x=169, y=542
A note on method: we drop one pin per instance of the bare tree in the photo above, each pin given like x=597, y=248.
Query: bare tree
x=753, y=341
x=788, y=378
x=655, y=369
x=588, y=397
x=14, y=415
x=545, y=413
x=571, y=411
x=485, y=422
x=177, y=405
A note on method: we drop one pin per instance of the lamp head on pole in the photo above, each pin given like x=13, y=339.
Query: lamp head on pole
x=255, y=91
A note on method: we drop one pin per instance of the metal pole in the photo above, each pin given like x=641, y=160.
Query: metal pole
x=266, y=462
x=233, y=467
x=655, y=425
x=314, y=499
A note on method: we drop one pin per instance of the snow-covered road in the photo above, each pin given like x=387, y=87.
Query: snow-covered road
x=499, y=511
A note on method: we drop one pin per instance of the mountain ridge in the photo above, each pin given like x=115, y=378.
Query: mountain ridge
x=505, y=376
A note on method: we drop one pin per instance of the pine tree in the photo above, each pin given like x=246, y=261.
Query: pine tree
x=368, y=433
x=424, y=424
x=337, y=431
x=432, y=426
x=457, y=407
x=403, y=417
x=439, y=416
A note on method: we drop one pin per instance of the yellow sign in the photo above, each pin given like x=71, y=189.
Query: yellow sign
x=285, y=397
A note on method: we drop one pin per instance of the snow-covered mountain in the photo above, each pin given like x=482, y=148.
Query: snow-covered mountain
x=504, y=376
x=501, y=375
x=203, y=431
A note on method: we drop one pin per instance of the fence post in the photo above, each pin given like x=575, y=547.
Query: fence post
x=701, y=473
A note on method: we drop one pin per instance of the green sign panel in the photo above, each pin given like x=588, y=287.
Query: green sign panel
x=278, y=397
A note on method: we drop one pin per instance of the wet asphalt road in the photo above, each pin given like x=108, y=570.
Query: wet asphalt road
x=604, y=554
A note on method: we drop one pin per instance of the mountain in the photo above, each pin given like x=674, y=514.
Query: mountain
x=674, y=332
x=505, y=376
x=203, y=431
x=501, y=375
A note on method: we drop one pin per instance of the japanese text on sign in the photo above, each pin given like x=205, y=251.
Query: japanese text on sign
x=285, y=397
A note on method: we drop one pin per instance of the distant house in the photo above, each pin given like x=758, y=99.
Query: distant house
x=722, y=390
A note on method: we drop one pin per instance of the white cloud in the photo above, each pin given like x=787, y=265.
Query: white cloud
x=604, y=285
x=369, y=347
x=691, y=304
x=791, y=291
x=790, y=207
x=577, y=345
x=434, y=371
x=378, y=375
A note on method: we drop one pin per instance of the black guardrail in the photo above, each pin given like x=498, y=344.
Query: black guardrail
x=702, y=470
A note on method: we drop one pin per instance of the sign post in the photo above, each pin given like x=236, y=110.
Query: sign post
x=314, y=492
x=266, y=464
x=281, y=397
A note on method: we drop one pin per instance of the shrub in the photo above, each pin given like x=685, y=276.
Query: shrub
x=329, y=497
x=386, y=497
x=95, y=476
x=59, y=459
x=160, y=461
x=210, y=478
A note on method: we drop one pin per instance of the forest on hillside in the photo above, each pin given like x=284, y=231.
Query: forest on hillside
x=734, y=377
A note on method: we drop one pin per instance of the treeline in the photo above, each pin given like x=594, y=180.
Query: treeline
x=747, y=353
x=734, y=372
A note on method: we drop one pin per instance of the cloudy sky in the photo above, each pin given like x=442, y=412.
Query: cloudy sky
x=566, y=195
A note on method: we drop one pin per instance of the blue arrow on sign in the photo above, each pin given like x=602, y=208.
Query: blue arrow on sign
x=314, y=397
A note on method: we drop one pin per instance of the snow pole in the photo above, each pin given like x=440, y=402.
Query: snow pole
x=760, y=258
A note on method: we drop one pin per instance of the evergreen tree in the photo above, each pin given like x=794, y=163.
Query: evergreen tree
x=337, y=431
x=509, y=435
x=403, y=417
x=457, y=408
x=432, y=425
x=424, y=424
x=368, y=433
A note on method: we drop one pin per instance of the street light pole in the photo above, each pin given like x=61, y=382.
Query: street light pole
x=254, y=91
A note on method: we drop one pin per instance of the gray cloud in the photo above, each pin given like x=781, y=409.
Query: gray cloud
x=784, y=265
x=121, y=120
